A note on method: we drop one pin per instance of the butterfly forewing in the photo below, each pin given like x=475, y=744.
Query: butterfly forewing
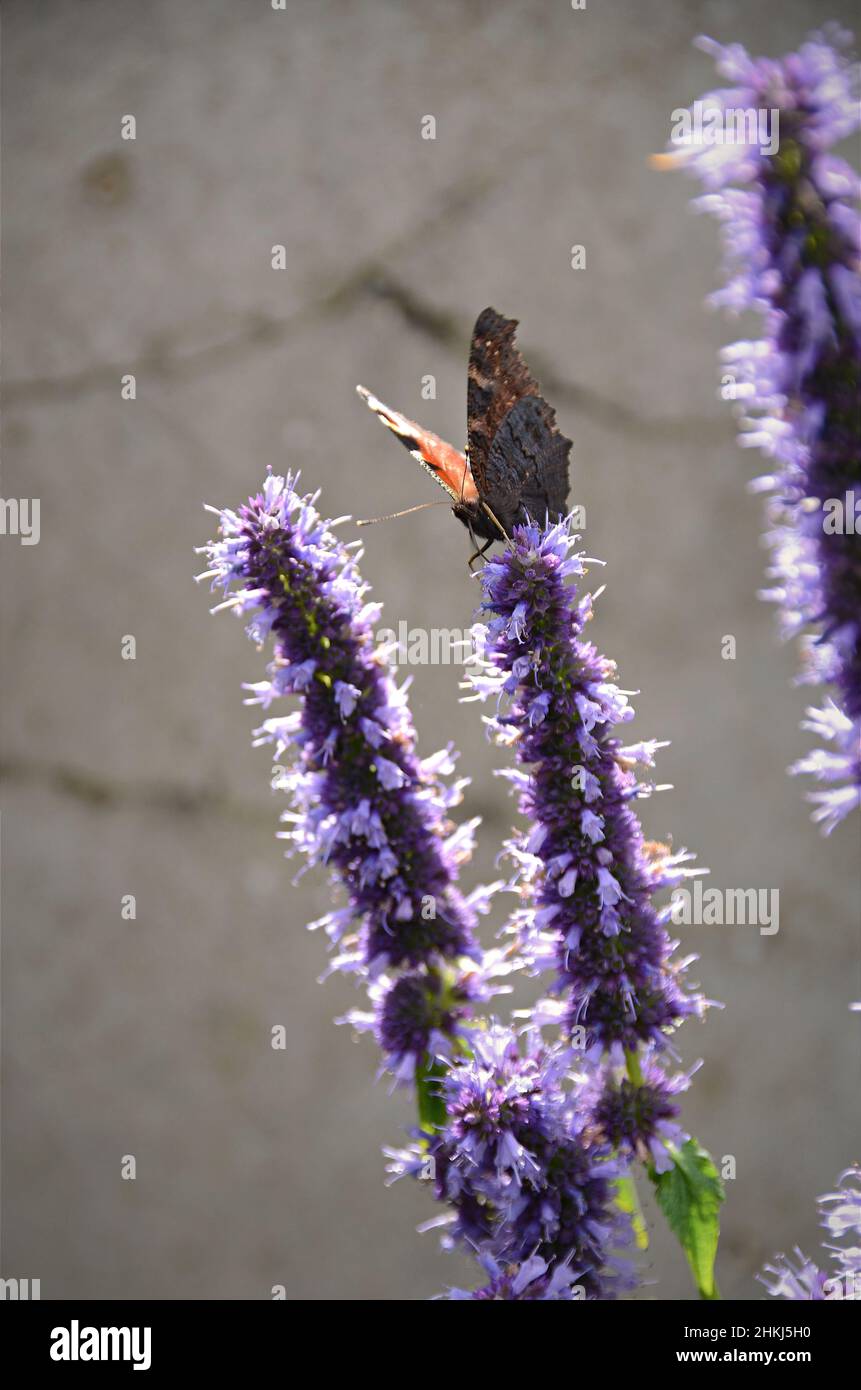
x=498, y=379
x=446, y=464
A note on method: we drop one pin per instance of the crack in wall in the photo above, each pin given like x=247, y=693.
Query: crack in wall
x=371, y=281
x=101, y=793
x=261, y=331
x=107, y=794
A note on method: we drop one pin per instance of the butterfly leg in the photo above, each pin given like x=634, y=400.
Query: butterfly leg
x=479, y=550
x=477, y=554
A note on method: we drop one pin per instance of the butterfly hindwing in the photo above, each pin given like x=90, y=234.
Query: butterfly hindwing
x=527, y=469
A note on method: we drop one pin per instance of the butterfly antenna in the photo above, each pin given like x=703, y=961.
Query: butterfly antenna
x=496, y=521
x=464, y=473
x=393, y=516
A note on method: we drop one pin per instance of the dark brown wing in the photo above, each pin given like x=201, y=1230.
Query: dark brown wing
x=498, y=379
x=527, y=471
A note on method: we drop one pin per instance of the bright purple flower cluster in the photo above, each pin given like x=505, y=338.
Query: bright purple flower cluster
x=791, y=239
x=799, y=1278
x=592, y=918
x=521, y=1176
x=363, y=803
x=525, y=1184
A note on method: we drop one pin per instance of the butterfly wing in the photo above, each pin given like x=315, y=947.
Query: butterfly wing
x=498, y=379
x=447, y=465
x=527, y=469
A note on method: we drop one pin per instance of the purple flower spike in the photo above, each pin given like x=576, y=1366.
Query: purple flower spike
x=520, y=1173
x=791, y=238
x=594, y=877
x=363, y=803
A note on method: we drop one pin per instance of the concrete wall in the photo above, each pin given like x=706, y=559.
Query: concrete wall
x=151, y=1037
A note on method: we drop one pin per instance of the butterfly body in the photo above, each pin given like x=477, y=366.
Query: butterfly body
x=515, y=468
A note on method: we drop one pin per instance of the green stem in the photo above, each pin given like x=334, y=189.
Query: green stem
x=627, y=1200
x=633, y=1068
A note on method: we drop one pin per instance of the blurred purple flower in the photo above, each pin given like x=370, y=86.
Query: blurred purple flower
x=799, y=1278
x=791, y=241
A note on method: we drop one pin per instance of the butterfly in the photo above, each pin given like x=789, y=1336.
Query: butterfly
x=515, y=467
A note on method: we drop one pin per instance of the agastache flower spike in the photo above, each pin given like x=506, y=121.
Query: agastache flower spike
x=522, y=1178
x=791, y=238
x=363, y=802
x=594, y=922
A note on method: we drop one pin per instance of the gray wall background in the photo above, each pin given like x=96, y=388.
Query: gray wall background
x=253, y=128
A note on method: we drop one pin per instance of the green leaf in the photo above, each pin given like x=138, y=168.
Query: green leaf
x=689, y=1194
x=628, y=1201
